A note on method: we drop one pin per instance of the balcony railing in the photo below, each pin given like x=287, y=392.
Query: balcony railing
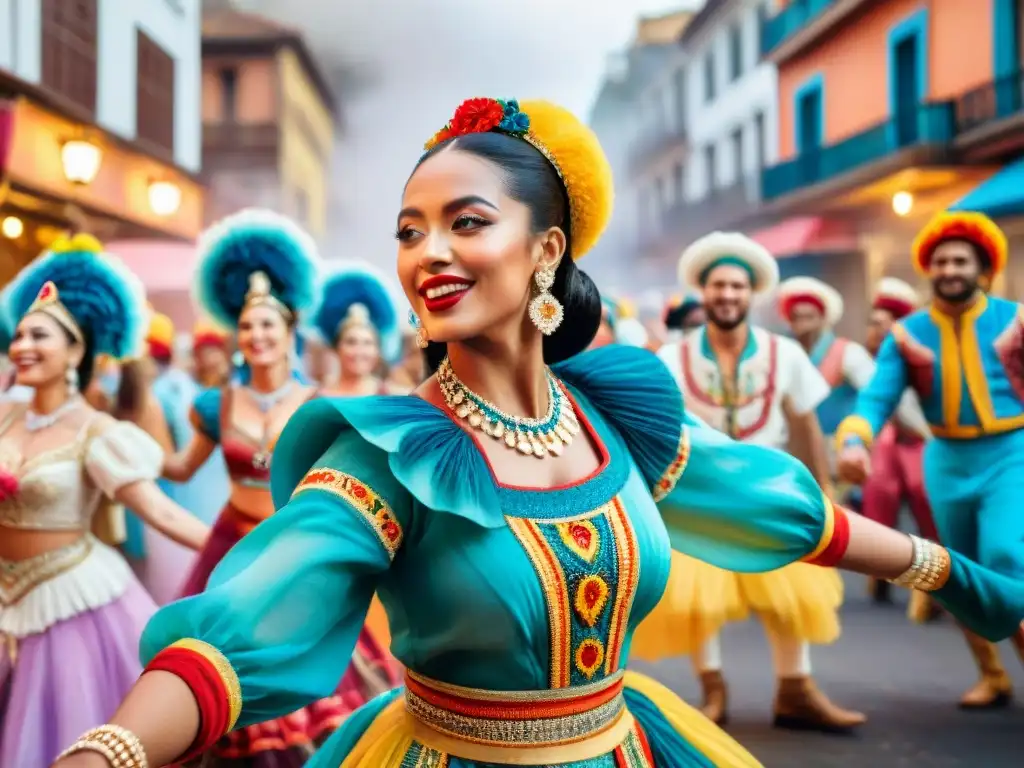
x=999, y=99
x=927, y=124
x=789, y=21
x=240, y=137
x=648, y=149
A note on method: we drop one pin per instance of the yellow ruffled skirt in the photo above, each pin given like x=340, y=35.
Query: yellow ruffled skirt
x=799, y=600
x=382, y=736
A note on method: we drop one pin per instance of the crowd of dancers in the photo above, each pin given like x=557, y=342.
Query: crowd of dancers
x=444, y=555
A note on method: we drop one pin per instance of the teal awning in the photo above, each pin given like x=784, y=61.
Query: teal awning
x=1001, y=195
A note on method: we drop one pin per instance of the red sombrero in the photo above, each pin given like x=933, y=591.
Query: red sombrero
x=971, y=226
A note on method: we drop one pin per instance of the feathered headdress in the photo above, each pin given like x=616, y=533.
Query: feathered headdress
x=90, y=293
x=357, y=293
x=255, y=257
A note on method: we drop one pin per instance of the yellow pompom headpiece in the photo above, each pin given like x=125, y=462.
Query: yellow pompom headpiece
x=76, y=243
x=570, y=146
x=976, y=228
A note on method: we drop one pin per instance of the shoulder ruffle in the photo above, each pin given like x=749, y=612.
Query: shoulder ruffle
x=636, y=394
x=430, y=455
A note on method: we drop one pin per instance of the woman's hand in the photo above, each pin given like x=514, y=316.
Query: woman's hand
x=172, y=520
x=854, y=464
x=180, y=467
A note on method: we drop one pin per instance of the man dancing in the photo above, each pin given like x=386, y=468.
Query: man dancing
x=760, y=388
x=964, y=356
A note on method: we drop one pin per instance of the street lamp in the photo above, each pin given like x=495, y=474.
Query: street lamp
x=12, y=227
x=164, y=197
x=902, y=203
x=81, y=160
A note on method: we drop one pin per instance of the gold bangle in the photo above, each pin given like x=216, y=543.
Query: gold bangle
x=120, y=747
x=929, y=569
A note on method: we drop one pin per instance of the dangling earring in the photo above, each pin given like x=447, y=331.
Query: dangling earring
x=422, y=340
x=71, y=377
x=545, y=310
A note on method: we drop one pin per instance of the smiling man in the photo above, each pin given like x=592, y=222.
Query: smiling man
x=759, y=388
x=964, y=356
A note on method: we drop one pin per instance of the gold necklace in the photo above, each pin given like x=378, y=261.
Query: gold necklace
x=546, y=436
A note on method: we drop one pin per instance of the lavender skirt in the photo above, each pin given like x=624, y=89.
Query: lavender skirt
x=69, y=678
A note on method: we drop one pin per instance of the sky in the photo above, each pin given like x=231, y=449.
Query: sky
x=400, y=67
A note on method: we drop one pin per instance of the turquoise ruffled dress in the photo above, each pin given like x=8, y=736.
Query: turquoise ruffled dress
x=496, y=593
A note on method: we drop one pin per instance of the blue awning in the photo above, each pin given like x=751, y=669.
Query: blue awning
x=1001, y=195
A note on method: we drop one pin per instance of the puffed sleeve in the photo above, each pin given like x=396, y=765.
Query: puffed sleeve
x=746, y=508
x=122, y=454
x=278, y=622
x=205, y=415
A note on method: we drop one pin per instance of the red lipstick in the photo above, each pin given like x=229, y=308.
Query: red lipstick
x=442, y=292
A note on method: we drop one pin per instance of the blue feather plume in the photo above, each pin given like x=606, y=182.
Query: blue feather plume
x=255, y=240
x=106, y=298
x=350, y=284
x=6, y=327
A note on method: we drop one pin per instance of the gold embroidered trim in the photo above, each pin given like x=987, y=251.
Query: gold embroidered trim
x=224, y=669
x=19, y=577
x=628, y=557
x=675, y=470
x=371, y=506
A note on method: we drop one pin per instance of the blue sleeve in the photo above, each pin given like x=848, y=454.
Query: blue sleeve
x=206, y=413
x=741, y=507
x=287, y=603
x=876, y=402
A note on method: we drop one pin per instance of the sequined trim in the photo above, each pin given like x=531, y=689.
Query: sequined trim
x=628, y=561
x=420, y=756
x=224, y=669
x=556, y=594
x=633, y=753
x=675, y=470
x=549, y=731
x=19, y=577
x=372, y=507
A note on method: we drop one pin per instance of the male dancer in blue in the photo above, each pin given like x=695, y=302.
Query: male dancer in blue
x=965, y=358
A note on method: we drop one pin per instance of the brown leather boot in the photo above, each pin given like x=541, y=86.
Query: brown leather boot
x=994, y=690
x=716, y=697
x=801, y=706
x=922, y=609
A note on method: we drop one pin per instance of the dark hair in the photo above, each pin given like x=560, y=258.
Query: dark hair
x=88, y=364
x=676, y=317
x=131, y=392
x=530, y=179
x=982, y=255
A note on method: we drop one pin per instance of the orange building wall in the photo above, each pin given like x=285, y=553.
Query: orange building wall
x=854, y=64
x=256, y=90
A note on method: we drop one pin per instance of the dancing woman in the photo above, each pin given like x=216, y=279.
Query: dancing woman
x=514, y=554
x=358, y=318
x=71, y=612
x=257, y=272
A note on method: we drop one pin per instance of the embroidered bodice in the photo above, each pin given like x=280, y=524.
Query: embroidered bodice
x=749, y=407
x=60, y=489
x=968, y=374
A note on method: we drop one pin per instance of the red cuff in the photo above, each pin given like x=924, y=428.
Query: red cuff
x=833, y=552
x=212, y=692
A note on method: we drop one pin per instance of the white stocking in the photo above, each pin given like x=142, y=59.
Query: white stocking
x=792, y=657
x=708, y=658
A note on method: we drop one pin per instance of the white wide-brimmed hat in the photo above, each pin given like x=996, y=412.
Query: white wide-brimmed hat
x=721, y=248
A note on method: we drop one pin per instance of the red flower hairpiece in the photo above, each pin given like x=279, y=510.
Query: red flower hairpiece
x=482, y=115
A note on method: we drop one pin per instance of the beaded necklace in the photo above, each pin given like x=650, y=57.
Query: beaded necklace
x=546, y=436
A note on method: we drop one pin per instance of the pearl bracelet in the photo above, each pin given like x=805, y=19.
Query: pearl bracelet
x=119, y=746
x=929, y=569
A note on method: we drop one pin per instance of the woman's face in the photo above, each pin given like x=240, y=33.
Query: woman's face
x=264, y=337
x=358, y=351
x=466, y=252
x=41, y=352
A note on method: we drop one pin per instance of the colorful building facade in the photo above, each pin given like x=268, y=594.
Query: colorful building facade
x=883, y=111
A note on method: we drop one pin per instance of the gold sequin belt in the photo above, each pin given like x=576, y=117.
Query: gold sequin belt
x=518, y=727
x=19, y=577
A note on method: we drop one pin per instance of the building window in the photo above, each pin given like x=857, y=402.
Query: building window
x=154, y=93
x=735, y=51
x=679, y=86
x=763, y=12
x=69, y=35
x=643, y=213
x=709, y=76
x=228, y=94
x=660, y=201
x=710, y=171
x=760, y=141
x=678, y=184
x=737, y=153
